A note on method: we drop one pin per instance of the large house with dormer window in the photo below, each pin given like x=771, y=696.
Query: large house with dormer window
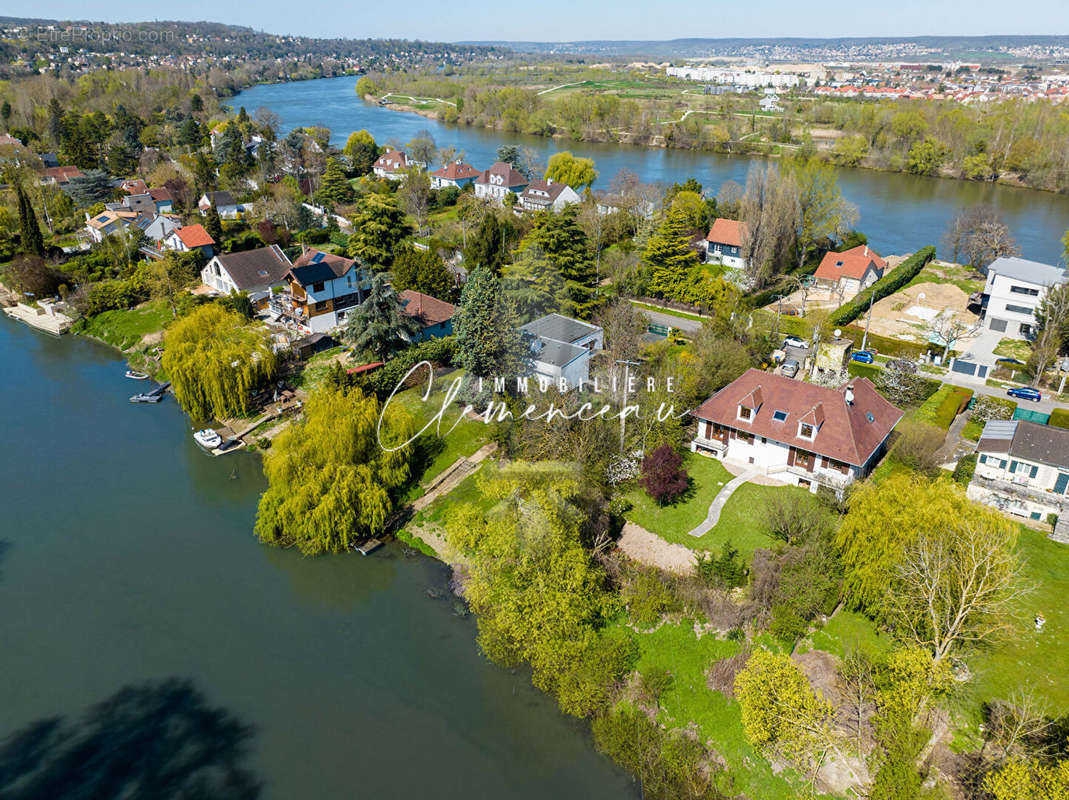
x=498, y=181
x=797, y=432
x=324, y=288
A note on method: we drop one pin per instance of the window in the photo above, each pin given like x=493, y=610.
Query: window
x=322, y=306
x=806, y=431
x=1034, y=515
x=317, y=287
x=869, y=417
x=1024, y=290
x=983, y=459
x=1019, y=309
x=745, y=413
x=779, y=416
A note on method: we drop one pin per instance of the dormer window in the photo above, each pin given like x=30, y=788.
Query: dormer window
x=745, y=413
x=806, y=430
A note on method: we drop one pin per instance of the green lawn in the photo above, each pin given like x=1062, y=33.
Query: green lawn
x=959, y=276
x=1031, y=659
x=317, y=368
x=1014, y=348
x=124, y=329
x=690, y=701
x=845, y=631
x=742, y=520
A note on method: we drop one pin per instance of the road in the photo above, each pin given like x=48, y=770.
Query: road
x=672, y=321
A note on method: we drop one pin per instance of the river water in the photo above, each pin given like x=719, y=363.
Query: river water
x=147, y=640
x=900, y=213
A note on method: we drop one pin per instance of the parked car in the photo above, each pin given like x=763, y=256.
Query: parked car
x=1025, y=393
x=790, y=367
x=795, y=341
x=862, y=356
x=904, y=365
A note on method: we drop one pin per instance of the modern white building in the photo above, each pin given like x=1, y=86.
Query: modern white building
x=562, y=347
x=1022, y=468
x=749, y=79
x=1013, y=290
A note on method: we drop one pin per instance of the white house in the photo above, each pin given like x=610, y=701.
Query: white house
x=323, y=289
x=724, y=243
x=108, y=223
x=393, y=165
x=253, y=271
x=798, y=432
x=1013, y=290
x=456, y=174
x=498, y=181
x=850, y=271
x=562, y=347
x=224, y=203
x=156, y=227
x=1023, y=469
x=188, y=238
x=547, y=195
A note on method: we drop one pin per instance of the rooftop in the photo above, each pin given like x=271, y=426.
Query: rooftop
x=254, y=268
x=852, y=263
x=727, y=231
x=425, y=309
x=1027, y=441
x=1022, y=269
x=560, y=328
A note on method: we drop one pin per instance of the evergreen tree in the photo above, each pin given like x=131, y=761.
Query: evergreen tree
x=535, y=285
x=488, y=341
x=379, y=324
x=423, y=271
x=565, y=244
x=489, y=246
x=189, y=133
x=90, y=188
x=669, y=256
x=334, y=187
x=213, y=224
x=30, y=231
x=5, y=113
x=379, y=226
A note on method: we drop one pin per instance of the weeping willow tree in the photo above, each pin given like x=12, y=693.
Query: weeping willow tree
x=214, y=357
x=331, y=482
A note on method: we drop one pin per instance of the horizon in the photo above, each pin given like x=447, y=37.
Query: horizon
x=624, y=21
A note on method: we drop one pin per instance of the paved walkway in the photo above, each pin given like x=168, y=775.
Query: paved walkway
x=954, y=446
x=719, y=502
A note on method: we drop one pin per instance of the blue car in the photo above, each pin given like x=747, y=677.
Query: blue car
x=1025, y=393
x=864, y=356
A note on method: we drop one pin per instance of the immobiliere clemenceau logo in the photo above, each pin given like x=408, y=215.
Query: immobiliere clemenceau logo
x=605, y=398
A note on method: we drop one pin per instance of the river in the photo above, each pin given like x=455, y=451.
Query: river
x=149, y=642
x=900, y=213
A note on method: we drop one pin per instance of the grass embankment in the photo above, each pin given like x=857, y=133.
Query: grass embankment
x=743, y=520
x=125, y=329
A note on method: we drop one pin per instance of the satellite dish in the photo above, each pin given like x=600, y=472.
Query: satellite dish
x=838, y=333
x=920, y=296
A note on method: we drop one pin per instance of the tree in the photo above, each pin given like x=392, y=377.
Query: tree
x=91, y=187
x=1052, y=326
x=362, y=151
x=214, y=358
x=379, y=324
x=537, y=594
x=957, y=586
x=422, y=147
x=561, y=240
x=167, y=278
x=576, y=172
x=926, y=157
x=769, y=208
x=488, y=247
x=534, y=285
x=366, y=86
x=423, y=271
x=669, y=256
x=415, y=193
x=330, y=481
x=213, y=224
x=823, y=212
x=488, y=342
x=663, y=476
x=334, y=187
x=30, y=238
x=692, y=205
x=32, y=275
x=379, y=225
x=980, y=235
x=780, y=711
x=1022, y=779
x=947, y=329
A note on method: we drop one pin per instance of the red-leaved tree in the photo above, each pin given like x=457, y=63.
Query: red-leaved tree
x=663, y=476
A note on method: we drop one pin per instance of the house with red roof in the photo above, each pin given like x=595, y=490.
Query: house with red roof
x=435, y=317
x=725, y=243
x=499, y=180
x=797, y=432
x=189, y=239
x=60, y=176
x=850, y=271
x=455, y=173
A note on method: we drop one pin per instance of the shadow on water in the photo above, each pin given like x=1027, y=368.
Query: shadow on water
x=157, y=740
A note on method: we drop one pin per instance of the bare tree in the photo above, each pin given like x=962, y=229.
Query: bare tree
x=1052, y=318
x=957, y=586
x=769, y=208
x=949, y=330
x=1017, y=726
x=979, y=234
x=415, y=193
x=857, y=684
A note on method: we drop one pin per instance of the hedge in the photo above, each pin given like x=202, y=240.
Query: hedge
x=884, y=344
x=1059, y=418
x=439, y=352
x=887, y=285
x=941, y=408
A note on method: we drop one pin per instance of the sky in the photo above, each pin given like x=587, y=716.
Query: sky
x=567, y=20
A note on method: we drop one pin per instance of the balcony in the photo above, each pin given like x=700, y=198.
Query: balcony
x=834, y=480
x=714, y=446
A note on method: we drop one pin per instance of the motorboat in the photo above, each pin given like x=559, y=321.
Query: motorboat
x=136, y=376
x=207, y=438
x=147, y=397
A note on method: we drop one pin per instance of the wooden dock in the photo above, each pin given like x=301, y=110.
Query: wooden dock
x=368, y=547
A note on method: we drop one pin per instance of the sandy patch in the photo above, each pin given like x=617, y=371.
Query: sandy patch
x=650, y=549
x=907, y=313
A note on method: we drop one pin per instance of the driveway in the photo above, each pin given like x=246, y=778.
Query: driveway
x=672, y=321
x=982, y=348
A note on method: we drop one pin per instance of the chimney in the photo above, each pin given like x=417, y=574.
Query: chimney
x=849, y=394
x=866, y=250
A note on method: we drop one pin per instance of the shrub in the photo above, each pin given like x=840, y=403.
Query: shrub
x=965, y=468
x=988, y=408
x=440, y=352
x=663, y=476
x=887, y=285
x=917, y=446
x=903, y=387
x=1059, y=418
x=726, y=570
x=648, y=597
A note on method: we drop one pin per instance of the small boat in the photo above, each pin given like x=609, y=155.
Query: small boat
x=136, y=376
x=147, y=397
x=208, y=438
